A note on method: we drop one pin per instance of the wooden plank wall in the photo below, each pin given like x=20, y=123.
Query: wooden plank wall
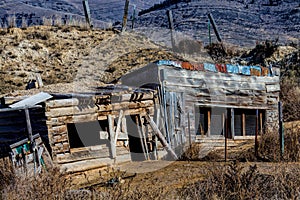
x=60, y=112
x=13, y=127
x=230, y=90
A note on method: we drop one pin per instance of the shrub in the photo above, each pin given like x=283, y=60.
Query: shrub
x=236, y=182
x=49, y=184
x=269, y=146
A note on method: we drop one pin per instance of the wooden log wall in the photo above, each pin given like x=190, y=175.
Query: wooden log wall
x=13, y=127
x=60, y=112
x=219, y=89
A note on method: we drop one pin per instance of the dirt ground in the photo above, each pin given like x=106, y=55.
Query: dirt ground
x=169, y=177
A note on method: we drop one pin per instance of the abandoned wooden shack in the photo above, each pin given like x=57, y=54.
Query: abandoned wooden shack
x=210, y=101
x=85, y=131
x=173, y=102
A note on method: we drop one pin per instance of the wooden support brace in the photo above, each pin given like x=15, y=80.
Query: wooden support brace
x=145, y=138
x=139, y=124
x=118, y=126
x=161, y=137
x=111, y=135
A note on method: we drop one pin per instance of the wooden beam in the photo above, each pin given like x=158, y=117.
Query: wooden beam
x=139, y=124
x=161, y=137
x=111, y=135
x=118, y=126
x=62, y=103
x=145, y=137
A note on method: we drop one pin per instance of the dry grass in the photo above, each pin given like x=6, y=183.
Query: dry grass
x=269, y=146
x=236, y=182
x=50, y=184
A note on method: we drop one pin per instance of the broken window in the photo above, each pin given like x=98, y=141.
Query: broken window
x=87, y=134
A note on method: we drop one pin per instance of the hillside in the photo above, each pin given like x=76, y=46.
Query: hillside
x=240, y=22
x=103, y=12
x=72, y=55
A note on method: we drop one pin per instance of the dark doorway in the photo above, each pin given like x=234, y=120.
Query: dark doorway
x=135, y=145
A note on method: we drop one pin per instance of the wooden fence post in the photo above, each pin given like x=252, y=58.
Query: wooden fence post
x=133, y=16
x=87, y=12
x=125, y=15
x=212, y=21
x=171, y=26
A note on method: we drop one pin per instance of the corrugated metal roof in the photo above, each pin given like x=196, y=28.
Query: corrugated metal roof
x=32, y=101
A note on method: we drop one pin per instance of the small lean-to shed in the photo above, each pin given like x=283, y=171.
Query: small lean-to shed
x=211, y=100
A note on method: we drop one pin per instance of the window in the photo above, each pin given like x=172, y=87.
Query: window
x=241, y=122
x=86, y=133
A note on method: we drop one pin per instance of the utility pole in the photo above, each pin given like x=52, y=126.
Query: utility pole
x=87, y=12
x=125, y=15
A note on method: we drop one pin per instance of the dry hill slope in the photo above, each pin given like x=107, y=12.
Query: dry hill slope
x=69, y=55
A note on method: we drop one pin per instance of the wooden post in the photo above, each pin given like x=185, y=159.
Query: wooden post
x=208, y=123
x=212, y=21
x=87, y=12
x=189, y=129
x=171, y=26
x=244, y=124
x=232, y=122
x=223, y=123
x=281, y=131
x=161, y=137
x=125, y=15
x=261, y=122
x=118, y=126
x=144, y=137
x=30, y=137
x=209, y=33
x=39, y=80
x=138, y=125
x=111, y=136
x=226, y=134
x=133, y=17
x=158, y=124
x=256, y=134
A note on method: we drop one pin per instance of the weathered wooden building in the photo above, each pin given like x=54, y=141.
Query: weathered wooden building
x=209, y=101
x=171, y=102
x=85, y=131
